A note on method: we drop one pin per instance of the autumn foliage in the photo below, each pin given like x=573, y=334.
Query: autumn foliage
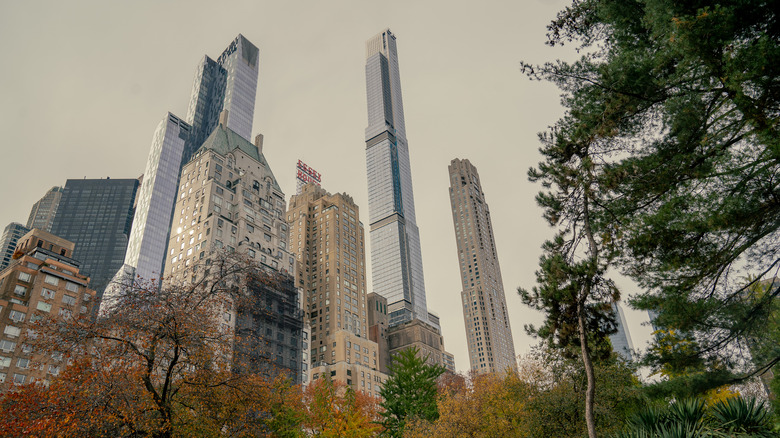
x=165, y=362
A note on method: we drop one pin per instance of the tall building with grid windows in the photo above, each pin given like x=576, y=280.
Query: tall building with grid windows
x=230, y=201
x=327, y=238
x=396, y=257
x=11, y=235
x=43, y=212
x=229, y=83
x=489, y=335
x=96, y=215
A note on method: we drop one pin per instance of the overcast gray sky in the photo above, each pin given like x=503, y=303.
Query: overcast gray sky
x=84, y=83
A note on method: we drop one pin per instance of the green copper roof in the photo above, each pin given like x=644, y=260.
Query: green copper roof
x=223, y=141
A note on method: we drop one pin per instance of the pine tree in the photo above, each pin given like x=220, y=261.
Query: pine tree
x=410, y=392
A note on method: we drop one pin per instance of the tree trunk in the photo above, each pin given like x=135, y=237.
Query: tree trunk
x=590, y=392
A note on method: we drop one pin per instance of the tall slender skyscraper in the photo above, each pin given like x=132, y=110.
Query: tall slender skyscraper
x=621, y=340
x=491, y=348
x=396, y=258
x=42, y=212
x=229, y=83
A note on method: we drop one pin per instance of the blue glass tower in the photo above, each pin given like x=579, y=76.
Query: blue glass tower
x=229, y=83
x=396, y=258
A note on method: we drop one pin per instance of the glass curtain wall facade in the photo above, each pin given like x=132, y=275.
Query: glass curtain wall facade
x=42, y=212
x=488, y=332
x=621, y=340
x=229, y=83
x=11, y=235
x=396, y=258
x=96, y=215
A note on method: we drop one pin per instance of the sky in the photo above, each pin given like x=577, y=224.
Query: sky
x=84, y=84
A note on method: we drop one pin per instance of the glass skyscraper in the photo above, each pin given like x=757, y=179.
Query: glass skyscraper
x=96, y=214
x=42, y=212
x=621, y=340
x=11, y=235
x=396, y=258
x=229, y=83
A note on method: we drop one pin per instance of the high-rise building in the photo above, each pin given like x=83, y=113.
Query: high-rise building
x=46, y=279
x=43, y=212
x=229, y=83
x=96, y=215
x=396, y=258
x=327, y=237
x=11, y=235
x=229, y=201
x=490, y=343
x=621, y=340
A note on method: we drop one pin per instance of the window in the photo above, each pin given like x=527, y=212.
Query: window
x=12, y=331
x=52, y=280
x=19, y=379
x=23, y=362
x=73, y=287
x=7, y=346
x=17, y=316
x=2, y=377
x=68, y=300
x=23, y=276
x=47, y=294
x=43, y=306
x=20, y=290
x=54, y=370
x=65, y=313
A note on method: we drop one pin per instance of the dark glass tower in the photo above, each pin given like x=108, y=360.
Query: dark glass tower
x=96, y=215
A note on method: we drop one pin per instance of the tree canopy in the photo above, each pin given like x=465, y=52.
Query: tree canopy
x=676, y=104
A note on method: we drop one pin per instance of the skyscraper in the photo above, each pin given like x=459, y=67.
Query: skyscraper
x=396, y=258
x=229, y=83
x=42, y=212
x=96, y=215
x=621, y=340
x=491, y=347
x=328, y=240
x=11, y=235
x=229, y=201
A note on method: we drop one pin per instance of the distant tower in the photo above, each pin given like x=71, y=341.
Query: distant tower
x=11, y=235
x=304, y=175
x=43, y=212
x=621, y=341
x=396, y=257
x=328, y=240
x=491, y=348
x=229, y=83
x=96, y=215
